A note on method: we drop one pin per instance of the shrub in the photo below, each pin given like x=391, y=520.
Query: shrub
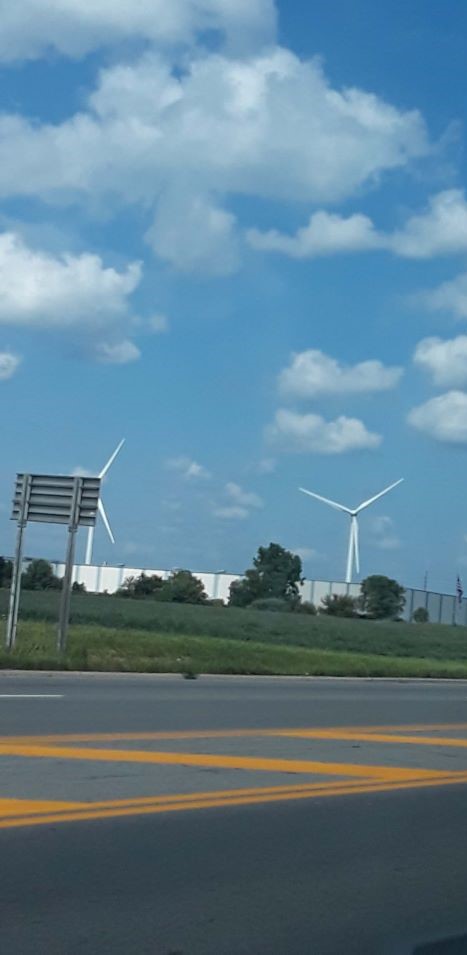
x=306, y=606
x=142, y=586
x=421, y=615
x=274, y=604
x=182, y=587
x=6, y=570
x=78, y=588
x=339, y=605
x=382, y=597
x=40, y=576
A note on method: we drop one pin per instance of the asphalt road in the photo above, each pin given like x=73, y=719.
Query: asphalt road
x=381, y=869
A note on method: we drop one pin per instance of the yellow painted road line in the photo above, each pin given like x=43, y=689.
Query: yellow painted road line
x=373, y=737
x=216, y=800
x=218, y=761
x=338, y=732
x=21, y=807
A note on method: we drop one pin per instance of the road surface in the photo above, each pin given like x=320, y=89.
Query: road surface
x=231, y=816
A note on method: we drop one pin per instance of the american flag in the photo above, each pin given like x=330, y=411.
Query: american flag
x=459, y=589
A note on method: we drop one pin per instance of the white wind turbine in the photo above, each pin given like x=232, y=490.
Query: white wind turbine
x=101, y=508
x=353, y=550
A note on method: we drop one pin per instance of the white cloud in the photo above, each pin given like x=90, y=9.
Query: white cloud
x=443, y=418
x=9, y=364
x=117, y=353
x=313, y=373
x=158, y=324
x=450, y=296
x=31, y=28
x=240, y=503
x=440, y=230
x=231, y=513
x=265, y=466
x=445, y=360
x=241, y=497
x=192, y=234
x=385, y=536
x=304, y=433
x=325, y=234
x=40, y=290
x=268, y=125
x=190, y=470
x=305, y=553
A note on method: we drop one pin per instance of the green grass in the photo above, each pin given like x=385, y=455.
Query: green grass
x=386, y=639
x=105, y=649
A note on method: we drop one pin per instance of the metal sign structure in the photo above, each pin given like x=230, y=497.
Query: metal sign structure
x=51, y=499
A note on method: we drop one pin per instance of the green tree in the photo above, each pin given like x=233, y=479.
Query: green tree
x=339, y=605
x=276, y=573
x=184, y=588
x=382, y=597
x=142, y=586
x=421, y=615
x=6, y=569
x=40, y=576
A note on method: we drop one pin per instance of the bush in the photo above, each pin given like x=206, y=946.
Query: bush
x=382, y=597
x=306, y=606
x=339, y=605
x=6, y=570
x=274, y=604
x=142, y=586
x=78, y=588
x=182, y=587
x=40, y=576
x=421, y=615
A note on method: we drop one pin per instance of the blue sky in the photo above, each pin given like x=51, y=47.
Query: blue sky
x=235, y=233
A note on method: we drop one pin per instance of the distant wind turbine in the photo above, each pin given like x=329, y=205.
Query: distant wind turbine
x=353, y=549
x=101, y=508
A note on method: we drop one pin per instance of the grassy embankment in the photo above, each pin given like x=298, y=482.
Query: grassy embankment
x=109, y=633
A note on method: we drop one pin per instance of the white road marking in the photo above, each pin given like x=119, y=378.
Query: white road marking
x=31, y=696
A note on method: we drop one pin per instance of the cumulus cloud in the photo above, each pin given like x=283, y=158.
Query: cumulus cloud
x=232, y=512
x=9, y=364
x=325, y=234
x=117, y=353
x=440, y=230
x=269, y=125
x=189, y=469
x=445, y=360
x=450, y=296
x=384, y=533
x=241, y=497
x=305, y=553
x=158, y=324
x=443, y=418
x=41, y=290
x=239, y=503
x=313, y=373
x=192, y=234
x=32, y=28
x=304, y=433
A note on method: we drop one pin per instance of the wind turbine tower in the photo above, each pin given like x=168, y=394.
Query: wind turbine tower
x=353, y=553
x=101, y=508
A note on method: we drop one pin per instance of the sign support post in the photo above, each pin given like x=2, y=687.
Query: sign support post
x=70, y=559
x=18, y=564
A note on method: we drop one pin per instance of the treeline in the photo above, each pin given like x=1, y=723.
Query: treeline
x=272, y=583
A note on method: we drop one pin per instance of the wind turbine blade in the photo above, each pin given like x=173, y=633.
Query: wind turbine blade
x=112, y=459
x=105, y=521
x=356, y=547
x=325, y=500
x=371, y=500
